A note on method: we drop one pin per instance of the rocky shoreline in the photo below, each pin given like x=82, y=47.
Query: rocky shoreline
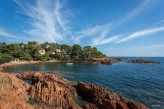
x=47, y=91
x=141, y=61
x=105, y=60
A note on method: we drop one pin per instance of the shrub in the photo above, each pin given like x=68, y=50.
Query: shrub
x=25, y=56
x=5, y=58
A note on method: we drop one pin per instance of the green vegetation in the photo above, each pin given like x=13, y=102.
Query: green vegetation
x=5, y=58
x=46, y=51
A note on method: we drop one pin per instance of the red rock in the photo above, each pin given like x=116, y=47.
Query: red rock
x=49, y=89
x=74, y=107
x=143, y=61
x=106, y=104
x=121, y=105
x=136, y=105
x=93, y=93
x=89, y=106
x=104, y=60
x=50, y=92
x=13, y=93
x=104, y=98
x=1, y=69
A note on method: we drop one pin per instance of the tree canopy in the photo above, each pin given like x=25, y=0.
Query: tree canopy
x=31, y=51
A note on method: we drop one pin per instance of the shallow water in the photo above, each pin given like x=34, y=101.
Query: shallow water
x=138, y=82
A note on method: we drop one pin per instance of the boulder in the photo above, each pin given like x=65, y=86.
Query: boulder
x=136, y=105
x=94, y=93
x=49, y=89
x=89, y=106
x=122, y=105
x=13, y=93
x=1, y=69
x=104, y=60
x=106, y=104
x=103, y=98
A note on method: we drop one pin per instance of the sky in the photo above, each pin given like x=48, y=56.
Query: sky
x=115, y=27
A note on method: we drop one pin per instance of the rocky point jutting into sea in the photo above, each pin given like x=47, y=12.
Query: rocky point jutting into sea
x=47, y=91
x=141, y=61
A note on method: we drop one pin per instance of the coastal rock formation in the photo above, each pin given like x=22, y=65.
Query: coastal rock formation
x=89, y=106
x=103, y=98
x=136, y=105
x=1, y=69
x=13, y=94
x=95, y=93
x=105, y=60
x=141, y=61
x=47, y=91
x=51, y=90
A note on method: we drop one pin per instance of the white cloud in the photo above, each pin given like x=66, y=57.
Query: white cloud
x=157, y=46
x=134, y=12
x=160, y=22
x=141, y=34
x=50, y=21
x=3, y=33
x=47, y=19
x=92, y=32
x=101, y=41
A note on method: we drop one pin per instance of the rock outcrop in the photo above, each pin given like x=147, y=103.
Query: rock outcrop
x=47, y=91
x=141, y=61
x=104, y=60
x=13, y=93
x=1, y=69
x=103, y=98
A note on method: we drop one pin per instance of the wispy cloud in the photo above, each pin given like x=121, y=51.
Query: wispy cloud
x=50, y=21
x=159, y=22
x=47, y=19
x=141, y=34
x=99, y=31
x=4, y=33
x=134, y=12
x=157, y=46
x=101, y=41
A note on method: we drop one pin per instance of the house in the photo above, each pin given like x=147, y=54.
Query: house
x=58, y=51
x=42, y=52
x=47, y=46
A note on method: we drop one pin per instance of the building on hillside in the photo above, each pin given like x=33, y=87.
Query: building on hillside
x=42, y=52
x=47, y=46
x=16, y=60
x=58, y=51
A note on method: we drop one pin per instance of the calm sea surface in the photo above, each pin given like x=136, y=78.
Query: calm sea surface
x=139, y=82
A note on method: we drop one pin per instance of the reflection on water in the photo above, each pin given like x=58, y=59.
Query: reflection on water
x=139, y=82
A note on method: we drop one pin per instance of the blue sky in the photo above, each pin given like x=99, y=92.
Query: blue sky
x=115, y=27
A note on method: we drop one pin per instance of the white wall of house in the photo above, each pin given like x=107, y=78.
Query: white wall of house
x=42, y=52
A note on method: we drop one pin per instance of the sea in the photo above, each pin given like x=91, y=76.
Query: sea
x=136, y=82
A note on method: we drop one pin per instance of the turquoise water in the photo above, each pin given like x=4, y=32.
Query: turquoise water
x=138, y=82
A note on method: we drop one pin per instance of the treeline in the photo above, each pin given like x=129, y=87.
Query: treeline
x=46, y=51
